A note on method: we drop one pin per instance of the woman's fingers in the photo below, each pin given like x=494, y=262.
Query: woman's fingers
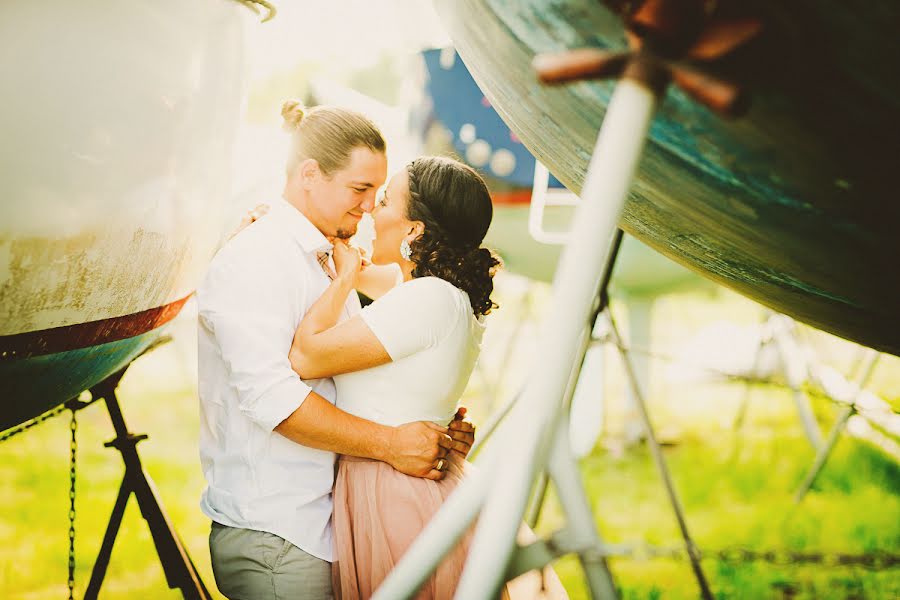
x=258, y=211
x=364, y=258
x=346, y=258
x=249, y=218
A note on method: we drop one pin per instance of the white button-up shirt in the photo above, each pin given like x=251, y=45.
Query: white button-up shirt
x=257, y=289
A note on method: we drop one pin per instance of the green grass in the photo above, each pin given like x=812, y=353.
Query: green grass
x=745, y=499
x=736, y=489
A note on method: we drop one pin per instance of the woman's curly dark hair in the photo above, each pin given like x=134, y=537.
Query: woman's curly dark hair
x=453, y=202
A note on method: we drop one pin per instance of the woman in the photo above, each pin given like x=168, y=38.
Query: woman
x=408, y=356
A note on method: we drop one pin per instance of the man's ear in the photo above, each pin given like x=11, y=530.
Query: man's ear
x=309, y=172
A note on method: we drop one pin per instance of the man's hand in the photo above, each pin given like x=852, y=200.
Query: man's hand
x=419, y=449
x=462, y=433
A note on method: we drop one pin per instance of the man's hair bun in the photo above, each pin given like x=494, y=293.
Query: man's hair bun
x=292, y=112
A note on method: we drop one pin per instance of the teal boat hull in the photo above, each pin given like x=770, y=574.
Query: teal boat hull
x=793, y=205
x=36, y=384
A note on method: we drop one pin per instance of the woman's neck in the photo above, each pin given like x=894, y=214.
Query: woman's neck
x=406, y=268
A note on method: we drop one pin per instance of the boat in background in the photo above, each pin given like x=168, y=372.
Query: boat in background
x=792, y=205
x=118, y=146
x=460, y=120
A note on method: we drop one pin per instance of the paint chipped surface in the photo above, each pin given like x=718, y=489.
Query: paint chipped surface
x=56, y=282
x=112, y=184
x=111, y=190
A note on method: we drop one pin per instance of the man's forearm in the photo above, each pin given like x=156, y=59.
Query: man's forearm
x=319, y=424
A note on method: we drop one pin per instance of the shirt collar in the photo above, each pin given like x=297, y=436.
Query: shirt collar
x=302, y=230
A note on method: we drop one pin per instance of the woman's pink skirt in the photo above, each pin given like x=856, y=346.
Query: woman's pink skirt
x=378, y=512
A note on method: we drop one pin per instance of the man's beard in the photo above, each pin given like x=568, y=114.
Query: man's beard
x=345, y=234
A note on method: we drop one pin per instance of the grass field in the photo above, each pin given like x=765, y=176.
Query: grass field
x=736, y=488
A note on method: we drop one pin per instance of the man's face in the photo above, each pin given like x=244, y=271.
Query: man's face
x=340, y=200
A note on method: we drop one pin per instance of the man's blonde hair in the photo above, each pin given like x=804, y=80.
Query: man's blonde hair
x=328, y=135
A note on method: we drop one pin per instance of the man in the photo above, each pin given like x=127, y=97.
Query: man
x=268, y=439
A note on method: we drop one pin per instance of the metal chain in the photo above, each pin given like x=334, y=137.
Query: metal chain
x=73, y=405
x=877, y=560
x=14, y=431
x=73, y=447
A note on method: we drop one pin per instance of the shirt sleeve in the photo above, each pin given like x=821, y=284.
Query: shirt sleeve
x=246, y=305
x=413, y=316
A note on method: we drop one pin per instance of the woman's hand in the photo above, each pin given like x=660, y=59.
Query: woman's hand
x=250, y=217
x=347, y=261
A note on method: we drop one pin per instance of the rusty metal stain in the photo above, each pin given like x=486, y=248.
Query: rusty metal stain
x=50, y=282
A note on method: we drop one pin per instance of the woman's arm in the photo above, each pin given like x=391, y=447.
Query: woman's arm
x=321, y=348
x=251, y=217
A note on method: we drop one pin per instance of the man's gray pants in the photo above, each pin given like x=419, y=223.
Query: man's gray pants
x=255, y=565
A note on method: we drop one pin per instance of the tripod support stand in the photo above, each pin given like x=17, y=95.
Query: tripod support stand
x=177, y=564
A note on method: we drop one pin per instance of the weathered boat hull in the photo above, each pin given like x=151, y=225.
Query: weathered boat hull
x=792, y=205
x=40, y=382
x=119, y=128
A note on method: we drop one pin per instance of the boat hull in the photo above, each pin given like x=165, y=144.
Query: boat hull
x=791, y=205
x=44, y=380
x=115, y=166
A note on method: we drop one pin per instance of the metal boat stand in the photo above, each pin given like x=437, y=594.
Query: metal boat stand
x=780, y=331
x=176, y=562
x=868, y=367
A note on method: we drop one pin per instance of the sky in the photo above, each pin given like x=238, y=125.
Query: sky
x=346, y=32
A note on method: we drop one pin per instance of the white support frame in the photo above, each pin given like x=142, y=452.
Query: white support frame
x=869, y=362
x=542, y=197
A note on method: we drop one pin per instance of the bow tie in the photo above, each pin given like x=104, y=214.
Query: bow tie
x=326, y=266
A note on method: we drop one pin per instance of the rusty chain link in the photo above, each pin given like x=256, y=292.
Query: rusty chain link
x=73, y=447
x=876, y=560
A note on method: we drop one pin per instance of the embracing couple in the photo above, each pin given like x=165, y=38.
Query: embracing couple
x=330, y=434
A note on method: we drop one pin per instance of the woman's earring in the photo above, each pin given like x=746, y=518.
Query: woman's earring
x=405, y=250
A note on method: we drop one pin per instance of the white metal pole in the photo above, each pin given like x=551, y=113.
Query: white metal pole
x=534, y=419
x=660, y=461
x=579, y=516
x=848, y=411
x=797, y=371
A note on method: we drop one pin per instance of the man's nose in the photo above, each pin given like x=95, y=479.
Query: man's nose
x=368, y=204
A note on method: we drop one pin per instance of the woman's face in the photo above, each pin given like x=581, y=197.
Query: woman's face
x=391, y=224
